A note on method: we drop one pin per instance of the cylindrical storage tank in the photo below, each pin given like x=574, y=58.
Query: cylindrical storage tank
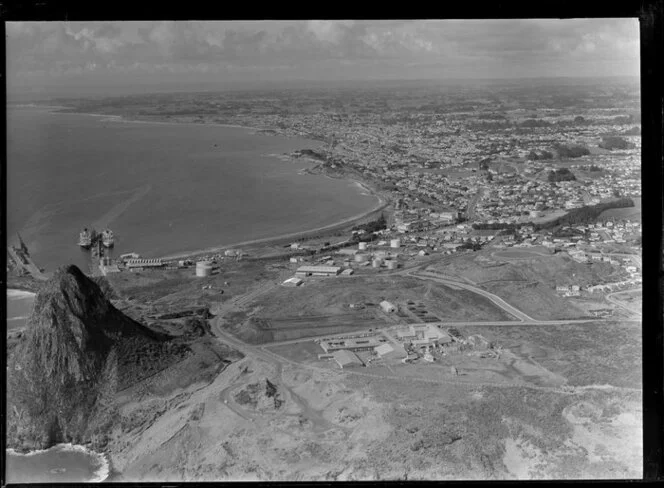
x=376, y=263
x=203, y=268
x=362, y=246
x=361, y=258
x=396, y=243
x=391, y=264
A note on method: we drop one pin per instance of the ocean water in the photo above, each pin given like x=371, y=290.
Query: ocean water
x=19, y=307
x=63, y=463
x=162, y=188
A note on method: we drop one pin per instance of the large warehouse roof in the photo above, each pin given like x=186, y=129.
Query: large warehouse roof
x=319, y=269
x=346, y=358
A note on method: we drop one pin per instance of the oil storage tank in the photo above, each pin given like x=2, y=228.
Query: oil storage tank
x=203, y=269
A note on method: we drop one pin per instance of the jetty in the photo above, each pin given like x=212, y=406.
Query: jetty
x=21, y=259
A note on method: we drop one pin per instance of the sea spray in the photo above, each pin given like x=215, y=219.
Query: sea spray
x=18, y=294
x=60, y=463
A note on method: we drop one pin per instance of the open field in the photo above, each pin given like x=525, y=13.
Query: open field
x=607, y=353
x=164, y=290
x=334, y=297
x=517, y=254
x=323, y=306
x=529, y=284
x=498, y=433
x=630, y=213
x=301, y=352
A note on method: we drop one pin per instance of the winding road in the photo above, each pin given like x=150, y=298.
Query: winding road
x=621, y=304
x=427, y=275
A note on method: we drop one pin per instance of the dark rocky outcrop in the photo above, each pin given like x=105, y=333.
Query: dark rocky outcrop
x=75, y=354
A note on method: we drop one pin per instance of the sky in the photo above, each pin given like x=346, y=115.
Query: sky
x=114, y=57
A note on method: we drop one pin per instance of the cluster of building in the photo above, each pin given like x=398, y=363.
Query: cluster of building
x=344, y=349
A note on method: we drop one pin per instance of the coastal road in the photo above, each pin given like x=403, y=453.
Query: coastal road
x=499, y=323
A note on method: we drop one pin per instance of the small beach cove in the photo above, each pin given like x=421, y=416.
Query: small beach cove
x=63, y=463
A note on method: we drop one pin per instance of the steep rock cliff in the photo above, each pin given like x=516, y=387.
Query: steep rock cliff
x=75, y=354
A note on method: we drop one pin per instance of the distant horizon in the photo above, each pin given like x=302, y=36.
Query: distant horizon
x=83, y=91
x=106, y=58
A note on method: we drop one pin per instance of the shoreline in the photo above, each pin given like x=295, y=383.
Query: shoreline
x=123, y=118
x=381, y=204
x=18, y=293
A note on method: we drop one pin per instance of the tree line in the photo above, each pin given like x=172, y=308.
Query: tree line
x=586, y=214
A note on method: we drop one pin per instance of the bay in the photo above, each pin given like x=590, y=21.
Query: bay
x=163, y=188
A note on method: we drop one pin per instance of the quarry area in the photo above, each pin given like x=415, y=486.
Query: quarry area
x=387, y=375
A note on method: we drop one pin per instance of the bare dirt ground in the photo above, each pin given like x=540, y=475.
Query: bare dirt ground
x=555, y=405
x=333, y=305
x=207, y=435
x=606, y=353
x=561, y=401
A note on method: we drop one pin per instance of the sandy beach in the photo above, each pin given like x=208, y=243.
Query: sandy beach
x=382, y=203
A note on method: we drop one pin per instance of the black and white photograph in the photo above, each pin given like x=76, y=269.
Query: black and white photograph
x=324, y=250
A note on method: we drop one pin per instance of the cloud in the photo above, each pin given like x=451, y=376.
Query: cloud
x=52, y=49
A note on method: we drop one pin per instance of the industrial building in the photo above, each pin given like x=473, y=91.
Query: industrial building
x=391, y=351
x=346, y=359
x=129, y=255
x=318, y=271
x=422, y=335
x=292, y=282
x=144, y=263
x=203, y=269
x=387, y=307
x=106, y=266
x=351, y=344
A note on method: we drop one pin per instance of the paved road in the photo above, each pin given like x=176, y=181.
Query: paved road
x=520, y=249
x=263, y=353
x=636, y=259
x=497, y=323
x=424, y=275
x=621, y=304
x=455, y=380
